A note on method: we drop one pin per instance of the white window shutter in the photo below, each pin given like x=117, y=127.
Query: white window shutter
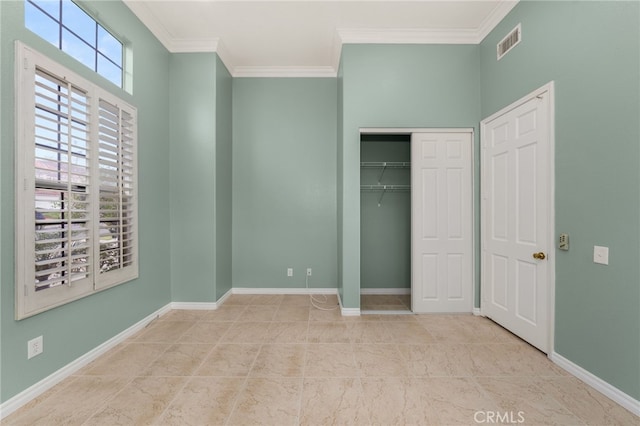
x=117, y=206
x=54, y=261
x=62, y=183
x=76, y=186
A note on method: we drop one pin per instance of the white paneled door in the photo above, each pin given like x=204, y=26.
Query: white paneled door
x=517, y=177
x=442, y=238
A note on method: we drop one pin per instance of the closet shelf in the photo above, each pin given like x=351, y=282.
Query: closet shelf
x=383, y=189
x=384, y=165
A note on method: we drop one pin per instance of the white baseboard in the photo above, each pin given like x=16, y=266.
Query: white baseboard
x=224, y=297
x=350, y=312
x=196, y=306
x=477, y=312
x=386, y=312
x=597, y=383
x=37, y=389
x=302, y=290
x=203, y=306
x=347, y=312
x=389, y=291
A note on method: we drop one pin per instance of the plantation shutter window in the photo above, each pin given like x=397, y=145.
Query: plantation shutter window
x=76, y=169
x=116, y=159
x=62, y=216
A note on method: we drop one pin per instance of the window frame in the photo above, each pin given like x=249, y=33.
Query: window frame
x=30, y=300
x=97, y=52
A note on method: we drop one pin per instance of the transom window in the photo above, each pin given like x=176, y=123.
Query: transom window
x=65, y=25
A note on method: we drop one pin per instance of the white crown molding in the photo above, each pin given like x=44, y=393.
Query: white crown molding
x=300, y=72
x=427, y=36
x=149, y=20
x=226, y=57
x=342, y=36
x=406, y=36
x=177, y=45
x=336, y=52
x=494, y=18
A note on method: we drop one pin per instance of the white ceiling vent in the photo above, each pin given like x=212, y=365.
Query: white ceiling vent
x=510, y=41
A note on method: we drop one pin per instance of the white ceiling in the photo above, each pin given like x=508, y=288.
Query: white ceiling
x=304, y=37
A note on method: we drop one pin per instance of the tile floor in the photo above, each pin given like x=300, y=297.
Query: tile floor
x=276, y=360
x=385, y=302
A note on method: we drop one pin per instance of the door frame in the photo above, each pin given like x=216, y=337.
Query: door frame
x=549, y=89
x=474, y=240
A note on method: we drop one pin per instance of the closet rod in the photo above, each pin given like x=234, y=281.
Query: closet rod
x=391, y=188
x=389, y=164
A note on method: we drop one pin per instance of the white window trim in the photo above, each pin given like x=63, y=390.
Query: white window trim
x=27, y=301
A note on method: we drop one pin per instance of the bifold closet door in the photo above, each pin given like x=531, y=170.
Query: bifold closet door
x=441, y=204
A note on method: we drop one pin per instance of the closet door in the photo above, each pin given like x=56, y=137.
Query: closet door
x=442, y=197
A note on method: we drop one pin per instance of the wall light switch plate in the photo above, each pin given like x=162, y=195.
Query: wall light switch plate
x=601, y=255
x=563, y=242
x=289, y=272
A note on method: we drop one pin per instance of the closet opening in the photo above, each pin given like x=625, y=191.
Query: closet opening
x=385, y=223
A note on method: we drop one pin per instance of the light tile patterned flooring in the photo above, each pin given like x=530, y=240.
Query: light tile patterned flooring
x=276, y=360
x=385, y=302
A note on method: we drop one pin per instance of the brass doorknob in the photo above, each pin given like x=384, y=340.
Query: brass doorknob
x=539, y=256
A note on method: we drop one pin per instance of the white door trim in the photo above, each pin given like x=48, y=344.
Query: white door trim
x=471, y=130
x=549, y=89
x=410, y=130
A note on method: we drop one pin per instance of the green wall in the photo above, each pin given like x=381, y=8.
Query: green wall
x=193, y=167
x=73, y=329
x=3, y=198
x=385, y=219
x=200, y=111
x=340, y=179
x=224, y=175
x=284, y=181
x=396, y=86
x=592, y=52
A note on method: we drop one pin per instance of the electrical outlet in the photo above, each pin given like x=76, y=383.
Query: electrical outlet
x=289, y=272
x=308, y=272
x=34, y=347
x=601, y=255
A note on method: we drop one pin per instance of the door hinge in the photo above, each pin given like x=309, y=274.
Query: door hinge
x=25, y=63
